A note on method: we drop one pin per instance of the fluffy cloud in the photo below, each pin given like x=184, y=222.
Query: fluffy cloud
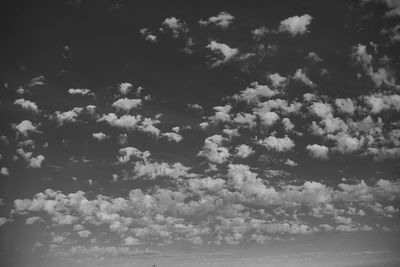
x=148, y=35
x=224, y=52
x=84, y=91
x=318, y=151
x=4, y=171
x=33, y=162
x=172, y=137
x=70, y=116
x=127, y=153
x=125, y=121
x=177, y=26
x=277, y=144
x=222, y=20
x=100, y=136
x=213, y=151
x=345, y=105
x=253, y=94
x=243, y=151
x=296, y=25
x=27, y=105
x=125, y=88
x=24, y=127
x=380, y=102
x=126, y=104
x=300, y=76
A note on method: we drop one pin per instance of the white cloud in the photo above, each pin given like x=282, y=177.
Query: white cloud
x=222, y=20
x=176, y=26
x=296, y=25
x=148, y=35
x=243, y=151
x=79, y=91
x=277, y=144
x=27, y=105
x=125, y=88
x=4, y=171
x=213, y=151
x=380, y=102
x=224, y=51
x=126, y=104
x=318, y=151
x=300, y=76
x=277, y=80
x=126, y=154
x=322, y=110
x=67, y=116
x=345, y=105
x=125, y=121
x=254, y=93
x=24, y=127
x=100, y=136
x=291, y=163
x=172, y=137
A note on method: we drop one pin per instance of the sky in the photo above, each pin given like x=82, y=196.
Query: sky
x=207, y=133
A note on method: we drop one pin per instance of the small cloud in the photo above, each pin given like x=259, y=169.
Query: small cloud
x=296, y=25
x=222, y=20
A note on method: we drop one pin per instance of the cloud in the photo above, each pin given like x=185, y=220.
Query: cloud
x=224, y=52
x=222, y=20
x=125, y=88
x=33, y=162
x=67, y=116
x=126, y=104
x=148, y=35
x=177, y=26
x=125, y=121
x=345, y=105
x=79, y=91
x=296, y=25
x=213, y=151
x=244, y=151
x=318, y=151
x=277, y=80
x=100, y=136
x=127, y=153
x=27, y=105
x=4, y=171
x=172, y=137
x=300, y=76
x=24, y=127
x=254, y=93
x=278, y=144
x=379, y=102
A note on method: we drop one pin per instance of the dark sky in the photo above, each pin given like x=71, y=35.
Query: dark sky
x=141, y=130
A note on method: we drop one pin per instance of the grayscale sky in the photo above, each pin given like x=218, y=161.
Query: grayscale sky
x=200, y=133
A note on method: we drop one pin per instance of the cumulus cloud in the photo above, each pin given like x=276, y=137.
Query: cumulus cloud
x=223, y=51
x=222, y=20
x=213, y=150
x=126, y=104
x=244, y=151
x=100, y=136
x=296, y=25
x=301, y=76
x=172, y=137
x=27, y=105
x=318, y=151
x=80, y=91
x=70, y=116
x=127, y=153
x=125, y=88
x=148, y=35
x=175, y=25
x=254, y=93
x=4, y=171
x=125, y=121
x=277, y=144
x=380, y=102
x=33, y=162
x=345, y=105
x=24, y=127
